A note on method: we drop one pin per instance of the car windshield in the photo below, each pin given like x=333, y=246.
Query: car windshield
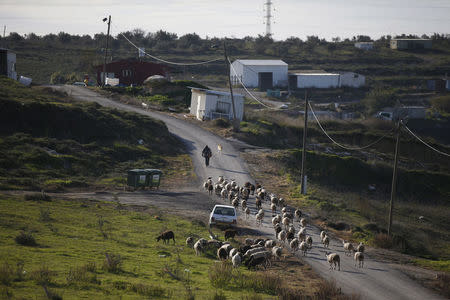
x=224, y=211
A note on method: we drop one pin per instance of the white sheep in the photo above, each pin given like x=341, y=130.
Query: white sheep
x=276, y=252
x=301, y=235
x=273, y=207
x=322, y=235
x=298, y=214
x=247, y=212
x=348, y=248
x=359, y=258
x=236, y=260
x=270, y=244
x=244, y=204
x=224, y=194
x=261, y=212
x=291, y=229
x=284, y=210
x=326, y=241
x=294, y=245
x=286, y=222
x=303, y=222
x=198, y=248
x=275, y=220
x=303, y=247
x=190, y=242
x=282, y=235
x=233, y=252
x=221, y=179
x=281, y=202
x=309, y=241
x=259, y=218
x=333, y=259
x=360, y=247
x=254, y=250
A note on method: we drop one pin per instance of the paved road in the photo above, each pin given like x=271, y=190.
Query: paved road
x=376, y=280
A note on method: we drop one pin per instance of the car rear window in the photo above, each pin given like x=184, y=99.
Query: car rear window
x=224, y=211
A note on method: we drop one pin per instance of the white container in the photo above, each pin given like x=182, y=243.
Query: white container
x=25, y=80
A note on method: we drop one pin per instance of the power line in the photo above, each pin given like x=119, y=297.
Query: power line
x=245, y=88
x=170, y=62
x=428, y=145
x=340, y=145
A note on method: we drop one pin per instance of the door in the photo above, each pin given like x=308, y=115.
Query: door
x=199, y=100
x=265, y=80
x=292, y=82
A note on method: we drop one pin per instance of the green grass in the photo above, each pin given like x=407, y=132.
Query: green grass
x=70, y=254
x=438, y=265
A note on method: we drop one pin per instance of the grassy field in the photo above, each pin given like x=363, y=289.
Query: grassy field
x=89, y=249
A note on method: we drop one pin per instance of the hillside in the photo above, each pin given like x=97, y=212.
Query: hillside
x=48, y=142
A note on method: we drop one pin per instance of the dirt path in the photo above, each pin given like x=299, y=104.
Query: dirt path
x=377, y=280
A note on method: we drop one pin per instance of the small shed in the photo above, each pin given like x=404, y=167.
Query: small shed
x=364, y=45
x=351, y=79
x=313, y=80
x=409, y=44
x=259, y=73
x=209, y=104
x=142, y=178
x=8, y=63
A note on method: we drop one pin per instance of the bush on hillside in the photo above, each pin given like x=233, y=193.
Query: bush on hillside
x=441, y=104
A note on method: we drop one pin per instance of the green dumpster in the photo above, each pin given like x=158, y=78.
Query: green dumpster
x=142, y=178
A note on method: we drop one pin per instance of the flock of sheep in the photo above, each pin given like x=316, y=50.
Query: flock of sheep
x=261, y=251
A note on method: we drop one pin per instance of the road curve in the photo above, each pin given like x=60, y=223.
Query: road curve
x=376, y=280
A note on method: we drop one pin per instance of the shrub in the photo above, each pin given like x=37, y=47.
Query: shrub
x=147, y=290
x=382, y=240
x=25, y=239
x=264, y=282
x=43, y=276
x=112, y=262
x=221, y=122
x=220, y=274
x=81, y=274
x=6, y=274
x=44, y=215
x=219, y=295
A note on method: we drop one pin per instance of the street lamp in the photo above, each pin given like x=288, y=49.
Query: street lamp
x=106, y=50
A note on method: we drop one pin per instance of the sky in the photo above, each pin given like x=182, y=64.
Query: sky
x=230, y=18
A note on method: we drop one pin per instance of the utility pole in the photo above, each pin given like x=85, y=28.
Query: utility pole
x=106, y=50
x=236, y=122
x=305, y=129
x=268, y=17
x=394, y=175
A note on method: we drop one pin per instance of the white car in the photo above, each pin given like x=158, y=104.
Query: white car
x=223, y=215
x=79, y=83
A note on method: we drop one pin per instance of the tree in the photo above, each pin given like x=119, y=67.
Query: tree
x=162, y=35
x=441, y=104
x=378, y=98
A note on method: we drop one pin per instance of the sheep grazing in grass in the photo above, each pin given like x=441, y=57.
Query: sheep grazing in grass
x=230, y=234
x=348, y=248
x=359, y=258
x=166, y=236
x=233, y=252
x=270, y=244
x=333, y=259
x=303, y=222
x=213, y=244
x=303, y=248
x=294, y=245
x=247, y=212
x=251, y=251
x=326, y=241
x=273, y=207
x=258, y=203
x=222, y=253
x=322, y=234
x=309, y=241
x=236, y=260
x=255, y=261
x=360, y=247
x=298, y=214
x=276, y=252
x=227, y=247
x=190, y=242
x=198, y=247
x=282, y=235
x=249, y=241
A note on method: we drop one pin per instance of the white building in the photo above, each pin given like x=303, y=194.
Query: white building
x=364, y=45
x=209, y=104
x=313, y=80
x=350, y=79
x=8, y=63
x=262, y=74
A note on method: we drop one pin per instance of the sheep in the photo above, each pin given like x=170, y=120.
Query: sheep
x=276, y=252
x=233, y=252
x=275, y=220
x=269, y=244
x=277, y=230
x=333, y=259
x=259, y=258
x=249, y=241
x=258, y=241
x=190, y=242
x=230, y=233
x=235, y=203
x=303, y=222
x=273, y=200
x=284, y=210
x=223, y=194
x=290, y=236
x=294, y=245
x=227, y=247
x=258, y=203
x=217, y=189
x=198, y=248
x=303, y=248
x=252, y=188
x=309, y=241
x=282, y=235
x=220, y=179
x=244, y=249
x=291, y=229
x=326, y=241
x=286, y=222
x=213, y=244
x=360, y=247
x=273, y=207
x=210, y=189
x=322, y=234
x=298, y=214
x=301, y=235
x=222, y=253
x=166, y=236
x=359, y=258
x=209, y=181
x=244, y=204
x=259, y=218
x=348, y=248
x=236, y=260
x=247, y=212
x=281, y=202
x=203, y=241
x=249, y=252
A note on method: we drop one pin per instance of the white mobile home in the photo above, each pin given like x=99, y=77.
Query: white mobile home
x=351, y=79
x=209, y=104
x=262, y=74
x=8, y=63
x=313, y=80
x=364, y=45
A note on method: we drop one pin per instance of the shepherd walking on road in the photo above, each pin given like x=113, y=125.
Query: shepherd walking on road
x=206, y=153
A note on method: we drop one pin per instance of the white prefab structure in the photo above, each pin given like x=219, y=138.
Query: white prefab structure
x=8, y=63
x=350, y=79
x=263, y=74
x=364, y=45
x=314, y=80
x=209, y=104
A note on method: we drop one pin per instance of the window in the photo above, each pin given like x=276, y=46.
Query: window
x=126, y=73
x=223, y=107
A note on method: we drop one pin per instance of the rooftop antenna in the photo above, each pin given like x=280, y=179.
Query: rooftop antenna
x=268, y=17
